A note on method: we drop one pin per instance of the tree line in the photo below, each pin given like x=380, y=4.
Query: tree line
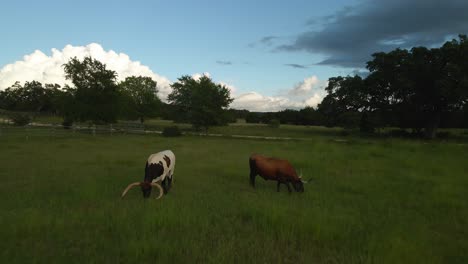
x=97, y=97
x=420, y=89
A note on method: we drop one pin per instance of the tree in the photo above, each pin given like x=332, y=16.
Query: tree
x=10, y=98
x=345, y=100
x=421, y=84
x=33, y=97
x=53, y=94
x=96, y=96
x=288, y=116
x=409, y=88
x=201, y=102
x=253, y=117
x=310, y=116
x=140, y=95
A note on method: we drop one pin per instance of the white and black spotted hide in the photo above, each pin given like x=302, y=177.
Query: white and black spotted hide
x=160, y=168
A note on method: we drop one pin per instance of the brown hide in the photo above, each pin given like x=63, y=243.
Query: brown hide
x=274, y=169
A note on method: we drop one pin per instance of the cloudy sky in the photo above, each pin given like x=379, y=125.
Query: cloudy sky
x=271, y=54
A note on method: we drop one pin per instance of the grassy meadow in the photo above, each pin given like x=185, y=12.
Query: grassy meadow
x=368, y=200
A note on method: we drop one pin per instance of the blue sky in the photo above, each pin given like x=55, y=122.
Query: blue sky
x=252, y=46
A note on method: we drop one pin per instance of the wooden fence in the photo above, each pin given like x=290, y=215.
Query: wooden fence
x=6, y=126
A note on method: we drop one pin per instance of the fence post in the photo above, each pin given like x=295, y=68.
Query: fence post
x=94, y=130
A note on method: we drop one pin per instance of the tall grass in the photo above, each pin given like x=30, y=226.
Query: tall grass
x=368, y=201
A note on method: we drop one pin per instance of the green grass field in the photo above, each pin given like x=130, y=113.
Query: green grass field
x=369, y=201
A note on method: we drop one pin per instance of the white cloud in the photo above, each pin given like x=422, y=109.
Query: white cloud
x=305, y=86
x=309, y=92
x=48, y=69
x=197, y=76
x=313, y=100
x=230, y=87
x=256, y=102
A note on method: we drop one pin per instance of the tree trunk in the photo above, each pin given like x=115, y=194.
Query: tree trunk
x=432, y=126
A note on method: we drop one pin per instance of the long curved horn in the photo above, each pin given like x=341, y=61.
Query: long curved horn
x=159, y=187
x=307, y=180
x=131, y=185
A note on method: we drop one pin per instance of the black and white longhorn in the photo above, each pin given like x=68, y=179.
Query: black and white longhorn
x=159, y=170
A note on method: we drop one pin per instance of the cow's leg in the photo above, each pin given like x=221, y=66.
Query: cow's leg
x=285, y=183
x=164, y=185
x=170, y=182
x=252, y=179
x=253, y=172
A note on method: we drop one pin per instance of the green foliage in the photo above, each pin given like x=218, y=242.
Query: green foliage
x=139, y=97
x=366, y=125
x=424, y=82
x=253, y=118
x=274, y=123
x=407, y=88
x=200, y=102
x=172, y=131
x=67, y=123
x=310, y=116
x=32, y=97
x=346, y=97
x=20, y=119
x=444, y=134
x=95, y=94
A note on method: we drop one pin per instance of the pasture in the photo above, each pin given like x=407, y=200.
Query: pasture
x=368, y=201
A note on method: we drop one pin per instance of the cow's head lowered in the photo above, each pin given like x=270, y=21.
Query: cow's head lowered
x=159, y=169
x=298, y=185
x=152, y=171
x=145, y=188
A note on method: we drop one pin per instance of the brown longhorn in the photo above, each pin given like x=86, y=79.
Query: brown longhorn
x=275, y=169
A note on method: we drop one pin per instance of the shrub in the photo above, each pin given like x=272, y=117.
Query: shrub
x=366, y=126
x=444, y=134
x=399, y=133
x=172, y=131
x=67, y=123
x=403, y=133
x=20, y=119
x=274, y=123
x=345, y=132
